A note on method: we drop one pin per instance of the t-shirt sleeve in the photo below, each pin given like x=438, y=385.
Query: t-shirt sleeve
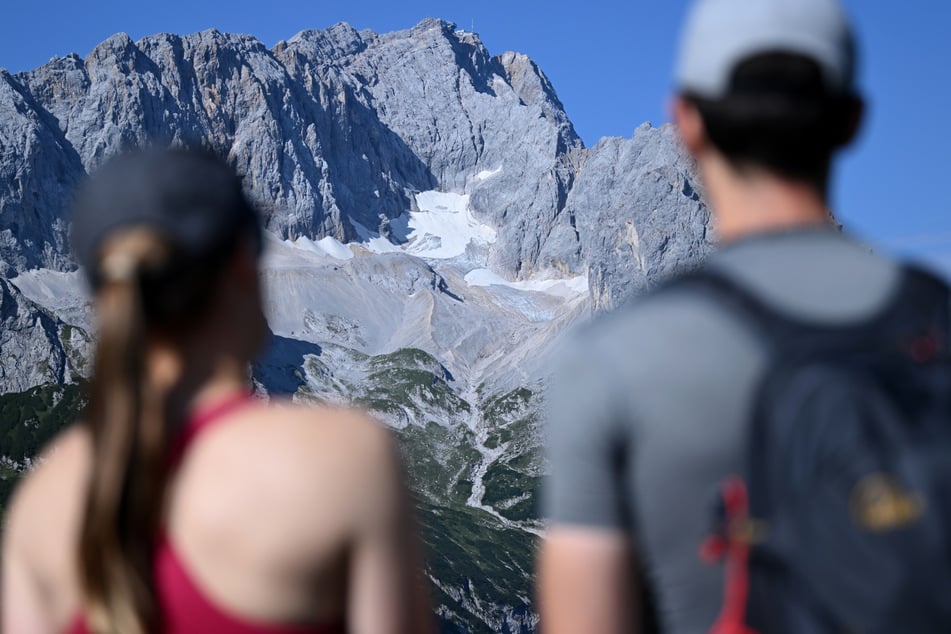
x=583, y=443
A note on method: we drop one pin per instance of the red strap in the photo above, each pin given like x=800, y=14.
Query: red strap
x=737, y=585
x=186, y=608
x=201, y=420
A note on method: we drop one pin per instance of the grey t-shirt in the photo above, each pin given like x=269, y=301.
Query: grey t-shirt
x=649, y=406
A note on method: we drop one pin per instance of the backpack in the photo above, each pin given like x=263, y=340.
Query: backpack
x=841, y=522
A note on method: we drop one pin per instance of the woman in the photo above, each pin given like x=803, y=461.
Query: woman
x=181, y=504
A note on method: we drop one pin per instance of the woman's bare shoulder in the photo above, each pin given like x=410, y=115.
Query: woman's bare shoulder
x=348, y=426
x=359, y=448
x=311, y=440
x=47, y=502
x=311, y=458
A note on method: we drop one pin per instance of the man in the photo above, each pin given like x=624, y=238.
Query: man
x=650, y=409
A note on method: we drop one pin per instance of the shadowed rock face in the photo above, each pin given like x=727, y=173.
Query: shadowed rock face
x=38, y=172
x=336, y=132
x=36, y=348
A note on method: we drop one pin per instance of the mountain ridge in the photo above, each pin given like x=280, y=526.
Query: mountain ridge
x=353, y=121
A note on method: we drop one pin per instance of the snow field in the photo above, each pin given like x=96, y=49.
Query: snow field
x=444, y=226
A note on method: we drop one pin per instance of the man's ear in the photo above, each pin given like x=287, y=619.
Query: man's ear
x=244, y=263
x=855, y=115
x=689, y=124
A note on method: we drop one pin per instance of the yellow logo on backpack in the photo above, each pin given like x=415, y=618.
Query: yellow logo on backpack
x=880, y=503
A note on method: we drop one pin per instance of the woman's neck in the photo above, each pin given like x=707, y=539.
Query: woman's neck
x=192, y=378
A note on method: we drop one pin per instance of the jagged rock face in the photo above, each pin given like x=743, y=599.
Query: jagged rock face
x=462, y=113
x=331, y=128
x=227, y=92
x=334, y=131
x=35, y=347
x=640, y=214
x=38, y=173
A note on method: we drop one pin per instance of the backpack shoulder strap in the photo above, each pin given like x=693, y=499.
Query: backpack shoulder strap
x=927, y=297
x=771, y=324
x=920, y=302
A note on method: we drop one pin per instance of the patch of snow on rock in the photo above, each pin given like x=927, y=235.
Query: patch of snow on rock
x=334, y=248
x=568, y=288
x=486, y=174
x=443, y=227
x=327, y=246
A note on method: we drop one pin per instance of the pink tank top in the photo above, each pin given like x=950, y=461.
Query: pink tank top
x=185, y=608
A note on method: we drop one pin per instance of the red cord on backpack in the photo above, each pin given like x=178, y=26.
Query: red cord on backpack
x=734, y=549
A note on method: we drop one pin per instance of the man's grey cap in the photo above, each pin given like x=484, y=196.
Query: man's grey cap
x=720, y=34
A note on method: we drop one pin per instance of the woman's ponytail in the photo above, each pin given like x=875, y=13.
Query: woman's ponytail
x=155, y=231
x=126, y=417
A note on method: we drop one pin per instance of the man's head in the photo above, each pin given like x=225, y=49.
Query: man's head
x=768, y=85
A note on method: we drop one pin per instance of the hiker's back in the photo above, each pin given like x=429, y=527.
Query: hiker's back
x=684, y=369
x=265, y=504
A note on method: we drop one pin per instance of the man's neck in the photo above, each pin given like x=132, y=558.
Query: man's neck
x=755, y=201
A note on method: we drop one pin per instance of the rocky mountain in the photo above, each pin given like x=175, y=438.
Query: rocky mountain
x=36, y=347
x=435, y=224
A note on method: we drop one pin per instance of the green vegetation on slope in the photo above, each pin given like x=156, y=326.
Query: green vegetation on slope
x=28, y=421
x=439, y=460
x=409, y=385
x=511, y=492
x=480, y=567
x=511, y=482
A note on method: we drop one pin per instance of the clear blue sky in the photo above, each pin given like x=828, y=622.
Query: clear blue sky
x=611, y=65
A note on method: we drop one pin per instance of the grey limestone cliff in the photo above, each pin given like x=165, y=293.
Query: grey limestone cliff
x=640, y=214
x=36, y=348
x=335, y=130
x=38, y=172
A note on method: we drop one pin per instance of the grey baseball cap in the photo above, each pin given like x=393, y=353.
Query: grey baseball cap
x=192, y=197
x=720, y=34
